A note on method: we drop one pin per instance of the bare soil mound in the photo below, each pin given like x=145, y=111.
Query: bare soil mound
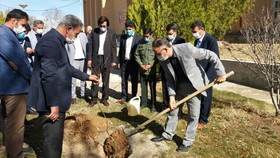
x=84, y=136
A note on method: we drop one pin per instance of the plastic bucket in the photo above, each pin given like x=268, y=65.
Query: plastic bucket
x=133, y=106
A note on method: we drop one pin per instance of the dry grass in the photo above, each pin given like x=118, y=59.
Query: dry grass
x=239, y=127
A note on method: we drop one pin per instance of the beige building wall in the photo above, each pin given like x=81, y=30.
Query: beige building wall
x=115, y=10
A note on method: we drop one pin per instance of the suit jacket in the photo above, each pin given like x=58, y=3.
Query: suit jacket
x=52, y=74
x=33, y=38
x=110, y=47
x=135, y=41
x=210, y=43
x=15, y=76
x=188, y=56
x=178, y=40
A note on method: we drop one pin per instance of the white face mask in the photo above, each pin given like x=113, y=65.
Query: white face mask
x=196, y=35
x=170, y=37
x=39, y=31
x=162, y=58
x=103, y=29
x=19, y=29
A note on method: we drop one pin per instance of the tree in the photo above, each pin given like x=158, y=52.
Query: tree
x=52, y=17
x=263, y=48
x=218, y=15
x=3, y=16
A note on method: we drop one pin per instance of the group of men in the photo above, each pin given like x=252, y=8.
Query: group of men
x=65, y=52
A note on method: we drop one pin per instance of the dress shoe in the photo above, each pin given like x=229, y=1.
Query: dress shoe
x=122, y=101
x=152, y=110
x=200, y=125
x=106, y=103
x=73, y=101
x=158, y=139
x=183, y=148
x=32, y=111
x=92, y=103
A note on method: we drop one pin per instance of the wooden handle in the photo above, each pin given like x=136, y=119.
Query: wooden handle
x=177, y=104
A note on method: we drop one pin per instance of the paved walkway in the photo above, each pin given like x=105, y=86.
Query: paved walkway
x=245, y=91
x=115, y=84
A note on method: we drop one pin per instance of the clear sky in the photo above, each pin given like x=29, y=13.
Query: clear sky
x=37, y=7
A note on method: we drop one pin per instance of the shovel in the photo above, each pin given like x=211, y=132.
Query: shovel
x=129, y=133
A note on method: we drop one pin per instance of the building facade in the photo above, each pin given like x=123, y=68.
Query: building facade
x=116, y=10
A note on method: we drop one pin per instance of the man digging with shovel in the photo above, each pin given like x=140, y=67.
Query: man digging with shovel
x=184, y=76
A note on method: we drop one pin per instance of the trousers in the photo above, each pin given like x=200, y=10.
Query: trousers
x=13, y=114
x=183, y=90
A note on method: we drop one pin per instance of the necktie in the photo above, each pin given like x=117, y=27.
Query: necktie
x=198, y=44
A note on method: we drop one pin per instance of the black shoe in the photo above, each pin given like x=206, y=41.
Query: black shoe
x=152, y=110
x=92, y=103
x=73, y=101
x=183, y=148
x=158, y=139
x=32, y=111
x=106, y=103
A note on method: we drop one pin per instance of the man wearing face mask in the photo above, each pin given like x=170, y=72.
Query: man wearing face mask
x=36, y=33
x=50, y=90
x=127, y=63
x=173, y=38
x=204, y=40
x=101, y=57
x=184, y=76
x=15, y=75
x=147, y=62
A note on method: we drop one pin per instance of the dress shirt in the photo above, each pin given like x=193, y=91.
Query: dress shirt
x=101, y=43
x=79, y=54
x=128, y=47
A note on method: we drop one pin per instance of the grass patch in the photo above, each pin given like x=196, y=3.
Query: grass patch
x=238, y=127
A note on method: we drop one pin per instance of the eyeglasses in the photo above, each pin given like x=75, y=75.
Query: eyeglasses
x=160, y=52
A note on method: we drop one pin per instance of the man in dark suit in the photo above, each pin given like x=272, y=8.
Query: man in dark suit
x=15, y=74
x=204, y=40
x=50, y=90
x=101, y=57
x=127, y=62
x=184, y=76
x=173, y=38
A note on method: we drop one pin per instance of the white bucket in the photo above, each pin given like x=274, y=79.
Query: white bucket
x=133, y=106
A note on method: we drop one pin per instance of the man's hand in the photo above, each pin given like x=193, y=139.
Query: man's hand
x=94, y=79
x=89, y=63
x=143, y=67
x=220, y=79
x=54, y=115
x=113, y=64
x=119, y=66
x=29, y=50
x=148, y=67
x=172, y=102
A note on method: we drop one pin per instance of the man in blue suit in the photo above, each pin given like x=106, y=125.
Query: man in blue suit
x=15, y=73
x=50, y=89
x=127, y=62
x=206, y=41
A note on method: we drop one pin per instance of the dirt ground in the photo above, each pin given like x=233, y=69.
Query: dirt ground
x=84, y=137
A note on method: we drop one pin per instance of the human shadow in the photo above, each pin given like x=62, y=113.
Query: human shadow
x=134, y=121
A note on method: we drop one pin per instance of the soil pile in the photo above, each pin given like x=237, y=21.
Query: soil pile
x=117, y=145
x=84, y=136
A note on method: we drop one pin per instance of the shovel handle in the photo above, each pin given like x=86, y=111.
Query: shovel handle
x=177, y=104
